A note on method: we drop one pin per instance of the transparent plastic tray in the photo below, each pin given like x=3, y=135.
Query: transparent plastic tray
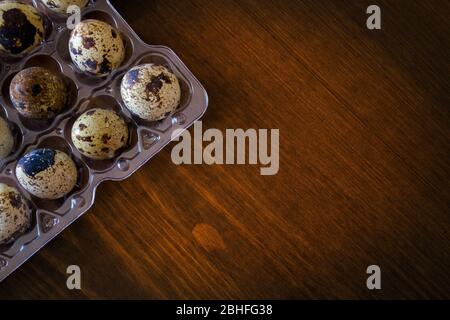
x=49, y=218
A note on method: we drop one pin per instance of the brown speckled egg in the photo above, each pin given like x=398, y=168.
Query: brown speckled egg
x=151, y=92
x=6, y=139
x=96, y=47
x=61, y=6
x=98, y=134
x=38, y=93
x=21, y=27
x=47, y=173
x=15, y=217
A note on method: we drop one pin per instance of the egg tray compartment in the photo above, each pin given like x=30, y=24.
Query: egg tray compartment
x=49, y=218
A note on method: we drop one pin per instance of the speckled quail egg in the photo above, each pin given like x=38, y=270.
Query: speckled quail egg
x=96, y=47
x=21, y=27
x=15, y=217
x=6, y=139
x=98, y=134
x=60, y=6
x=47, y=173
x=38, y=93
x=151, y=91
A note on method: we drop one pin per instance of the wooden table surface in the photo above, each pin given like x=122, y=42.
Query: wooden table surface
x=364, y=170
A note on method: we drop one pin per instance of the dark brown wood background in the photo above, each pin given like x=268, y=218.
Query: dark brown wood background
x=364, y=177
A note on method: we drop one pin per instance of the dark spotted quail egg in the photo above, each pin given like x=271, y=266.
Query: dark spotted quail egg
x=38, y=93
x=47, y=173
x=96, y=47
x=151, y=92
x=61, y=6
x=6, y=139
x=14, y=214
x=98, y=134
x=21, y=28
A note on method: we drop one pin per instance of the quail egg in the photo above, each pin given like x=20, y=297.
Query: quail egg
x=14, y=214
x=96, y=47
x=21, y=27
x=47, y=173
x=151, y=91
x=98, y=134
x=6, y=139
x=38, y=93
x=61, y=6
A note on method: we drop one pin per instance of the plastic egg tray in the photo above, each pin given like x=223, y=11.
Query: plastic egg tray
x=49, y=218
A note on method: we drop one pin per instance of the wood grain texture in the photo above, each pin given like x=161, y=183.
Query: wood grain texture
x=364, y=170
